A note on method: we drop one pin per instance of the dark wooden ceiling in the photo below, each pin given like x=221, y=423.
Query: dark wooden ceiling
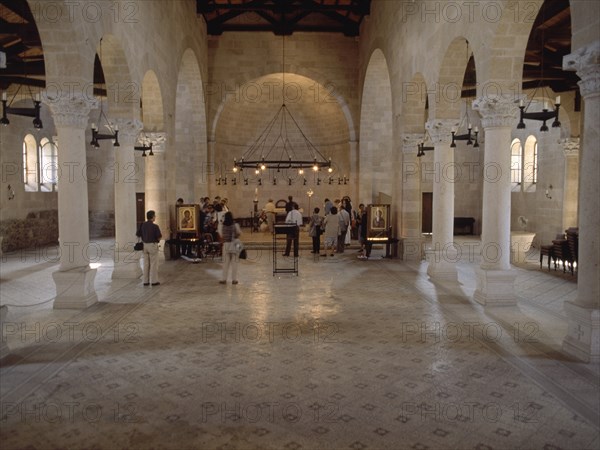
x=283, y=17
x=549, y=41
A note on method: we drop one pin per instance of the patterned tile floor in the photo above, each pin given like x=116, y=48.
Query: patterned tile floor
x=349, y=354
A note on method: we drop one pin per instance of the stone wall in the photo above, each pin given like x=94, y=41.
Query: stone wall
x=37, y=229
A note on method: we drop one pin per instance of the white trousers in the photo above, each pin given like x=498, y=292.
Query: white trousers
x=151, y=263
x=229, y=259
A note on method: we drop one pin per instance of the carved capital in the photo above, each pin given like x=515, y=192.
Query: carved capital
x=440, y=130
x=72, y=111
x=497, y=111
x=128, y=130
x=570, y=146
x=158, y=140
x=586, y=62
x=410, y=142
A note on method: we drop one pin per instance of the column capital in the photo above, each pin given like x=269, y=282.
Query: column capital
x=410, y=142
x=440, y=130
x=158, y=140
x=570, y=146
x=128, y=130
x=72, y=111
x=497, y=111
x=586, y=62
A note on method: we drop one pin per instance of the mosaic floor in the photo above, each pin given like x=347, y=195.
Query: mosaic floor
x=349, y=354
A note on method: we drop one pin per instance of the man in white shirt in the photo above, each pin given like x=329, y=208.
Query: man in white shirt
x=293, y=217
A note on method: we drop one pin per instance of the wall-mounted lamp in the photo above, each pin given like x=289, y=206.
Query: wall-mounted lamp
x=548, y=192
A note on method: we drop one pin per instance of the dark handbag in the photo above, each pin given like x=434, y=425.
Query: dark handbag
x=243, y=254
x=139, y=245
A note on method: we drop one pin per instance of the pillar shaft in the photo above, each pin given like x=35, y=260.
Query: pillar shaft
x=126, y=172
x=442, y=256
x=75, y=279
x=495, y=279
x=410, y=221
x=155, y=181
x=70, y=119
x=583, y=336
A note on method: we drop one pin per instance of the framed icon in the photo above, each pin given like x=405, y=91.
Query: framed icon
x=378, y=221
x=188, y=218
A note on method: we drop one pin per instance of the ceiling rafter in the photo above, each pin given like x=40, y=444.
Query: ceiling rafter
x=284, y=16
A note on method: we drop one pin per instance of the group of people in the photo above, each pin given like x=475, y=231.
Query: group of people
x=215, y=218
x=336, y=226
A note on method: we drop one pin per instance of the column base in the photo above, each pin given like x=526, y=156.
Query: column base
x=583, y=337
x=3, y=344
x=412, y=249
x=495, y=287
x=442, y=264
x=127, y=264
x=75, y=288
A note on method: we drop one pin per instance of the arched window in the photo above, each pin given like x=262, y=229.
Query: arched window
x=530, y=163
x=30, y=160
x=48, y=165
x=516, y=162
x=535, y=162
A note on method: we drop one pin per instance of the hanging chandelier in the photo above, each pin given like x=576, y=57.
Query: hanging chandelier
x=274, y=150
x=546, y=113
x=113, y=129
x=23, y=111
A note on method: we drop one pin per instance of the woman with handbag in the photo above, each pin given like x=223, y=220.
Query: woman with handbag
x=231, y=248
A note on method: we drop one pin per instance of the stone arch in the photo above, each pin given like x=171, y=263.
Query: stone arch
x=585, y=18
x=501, y=68
x=445, y=101
x=327, y=90
x=243, y=118
x=75, y=63
x=122, y=93
x=152, y=112
x=414, y=103
x=187, y=158
x=376, y=131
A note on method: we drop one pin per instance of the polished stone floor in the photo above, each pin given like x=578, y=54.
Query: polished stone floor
x=349, y=354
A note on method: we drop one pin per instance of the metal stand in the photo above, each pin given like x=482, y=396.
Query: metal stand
x=278, y=266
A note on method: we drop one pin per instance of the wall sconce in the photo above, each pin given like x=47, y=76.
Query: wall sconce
x=548, y=192
x=11, y=192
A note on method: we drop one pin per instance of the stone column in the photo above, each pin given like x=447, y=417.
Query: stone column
x=571, y=151
x=126, y=259
x=442, y=255
x=583, y=336
x=411, y=198
x=75, y=279
x=495, y=279
x=353, y=174
x=4, y=350
x=155, y=183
